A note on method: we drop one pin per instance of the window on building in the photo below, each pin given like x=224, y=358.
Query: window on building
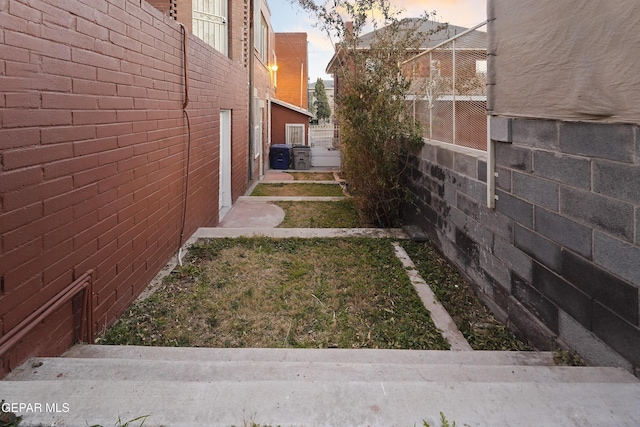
x=261, y=39
x=210, y=23
x=294, y=134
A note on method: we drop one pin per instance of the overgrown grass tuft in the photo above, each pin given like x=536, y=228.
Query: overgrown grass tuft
x=307, y=293
x=476, y=322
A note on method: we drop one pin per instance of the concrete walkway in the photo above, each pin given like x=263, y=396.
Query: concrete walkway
x=258, y=212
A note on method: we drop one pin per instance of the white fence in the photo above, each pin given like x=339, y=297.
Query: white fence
x=325, y=145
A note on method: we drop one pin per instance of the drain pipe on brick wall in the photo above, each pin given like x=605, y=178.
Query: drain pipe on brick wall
x=185, y=38
x=252, y=133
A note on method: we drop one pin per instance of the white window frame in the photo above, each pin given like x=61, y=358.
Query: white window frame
x=262, y=39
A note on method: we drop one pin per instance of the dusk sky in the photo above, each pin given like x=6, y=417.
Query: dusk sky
x=285, y=17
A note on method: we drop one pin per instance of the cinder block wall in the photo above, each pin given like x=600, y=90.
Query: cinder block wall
x=559, y=257
x=93, y=145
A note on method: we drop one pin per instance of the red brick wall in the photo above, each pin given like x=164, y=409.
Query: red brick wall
x=280, y=117
x=263, y=89
x=93, y=145
x=162, y=5
x=238, y=31
x=291, y=51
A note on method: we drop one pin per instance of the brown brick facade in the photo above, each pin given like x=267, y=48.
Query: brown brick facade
x=93, y=148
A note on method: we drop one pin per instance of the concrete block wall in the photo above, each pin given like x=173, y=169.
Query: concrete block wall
x=93, y=145
x=559, y=257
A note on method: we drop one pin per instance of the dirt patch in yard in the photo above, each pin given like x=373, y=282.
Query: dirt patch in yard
x=307, y=293
x=312, y=176
x=298, y=189
x=340, y=214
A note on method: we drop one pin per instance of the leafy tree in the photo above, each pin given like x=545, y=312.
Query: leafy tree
x=376, y=125
x=321, y=103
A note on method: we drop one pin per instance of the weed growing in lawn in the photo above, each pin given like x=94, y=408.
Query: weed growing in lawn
x=259, y=292
x=480, y=328
x=120, y=423
x=444, y=422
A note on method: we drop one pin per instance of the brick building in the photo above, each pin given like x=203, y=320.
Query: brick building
x=293, y=73
x=102, y=121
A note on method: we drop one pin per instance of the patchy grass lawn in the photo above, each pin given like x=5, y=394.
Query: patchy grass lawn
x=298, y=189
x=340, y=214
x=259, y=292
x=312, y=176
x=478, y=325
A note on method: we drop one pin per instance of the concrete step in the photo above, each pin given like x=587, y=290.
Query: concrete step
x=95, y=384
x=335, y=355
x=325, y=403
x=246, y=371
x=218, y=232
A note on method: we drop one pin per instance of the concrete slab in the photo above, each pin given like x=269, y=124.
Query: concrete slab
x=216, y=232
x=326, y=403
x=335, y=355
x=249, y=212
x=276, y=175
x=293, y=198
x=54, y=369
x=273, y=181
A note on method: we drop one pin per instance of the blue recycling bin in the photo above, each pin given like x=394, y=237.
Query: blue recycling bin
x=280, y=156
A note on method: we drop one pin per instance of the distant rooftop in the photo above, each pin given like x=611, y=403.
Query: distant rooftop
x=327, y=84
x=474, y=40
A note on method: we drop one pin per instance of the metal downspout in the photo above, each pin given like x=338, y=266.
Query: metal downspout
x=251, y=86
x=185, y=38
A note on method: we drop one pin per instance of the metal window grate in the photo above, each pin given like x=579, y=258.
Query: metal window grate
x=448, y=94
x=294, y=134
x=210, y=23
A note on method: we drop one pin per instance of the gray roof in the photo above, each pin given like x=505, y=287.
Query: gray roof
x=474, y=40
x=328, y=84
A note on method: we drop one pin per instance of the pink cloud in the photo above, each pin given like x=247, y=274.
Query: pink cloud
x=464, y=13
